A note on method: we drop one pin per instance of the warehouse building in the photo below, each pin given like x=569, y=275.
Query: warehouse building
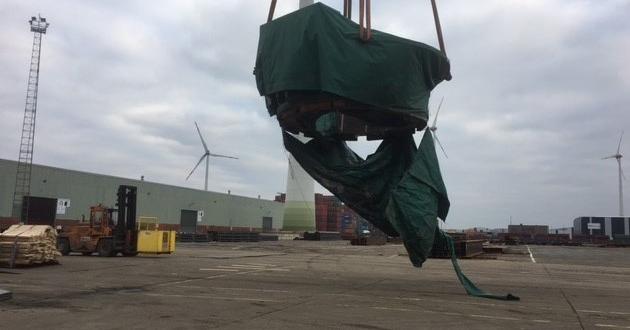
x=602, y=226
x=530, y=230
x=178, y=208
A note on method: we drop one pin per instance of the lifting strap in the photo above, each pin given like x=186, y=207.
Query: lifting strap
x=272, y=8
x=347, y=8
x=365, y=28
x=438, y=27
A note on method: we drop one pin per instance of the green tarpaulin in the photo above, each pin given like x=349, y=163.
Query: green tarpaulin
x=399, y=188
x=318, y=49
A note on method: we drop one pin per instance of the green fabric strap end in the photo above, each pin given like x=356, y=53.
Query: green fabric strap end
x=468, y=285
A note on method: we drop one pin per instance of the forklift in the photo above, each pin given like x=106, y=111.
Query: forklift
x=111, y=231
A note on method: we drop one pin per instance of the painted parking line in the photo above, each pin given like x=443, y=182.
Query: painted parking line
x=426, y=311
x=531, y=256
x=439, y=301
x=505, y=318
x=246, y=267
x=392, y=309
x=248, y=289
x=258, y=264
x=240, y=272
x=212, y=297
x=277, y=270
x=219, y=288
x=253, y=267
x=602, y=312
x=613, y=326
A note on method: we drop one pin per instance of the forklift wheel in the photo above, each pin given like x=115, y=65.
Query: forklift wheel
x=63, y=245
x=105, y=248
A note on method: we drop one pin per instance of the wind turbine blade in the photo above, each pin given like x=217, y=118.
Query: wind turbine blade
x=440, y=144
x=609, y=157
x=205, y=147
x=199, y=162
x=222, y=156
x=619, y=145
x=438, y=111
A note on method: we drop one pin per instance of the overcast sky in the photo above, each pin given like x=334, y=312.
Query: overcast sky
x=540, y=93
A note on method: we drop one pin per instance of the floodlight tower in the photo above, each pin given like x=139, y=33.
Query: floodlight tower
x=25, y=160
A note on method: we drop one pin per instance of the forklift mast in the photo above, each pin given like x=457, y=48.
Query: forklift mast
x=125, y=230
x=126, y=205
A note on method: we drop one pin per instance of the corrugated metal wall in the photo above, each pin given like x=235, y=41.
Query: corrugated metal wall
x=154, y=199
x=609, y=226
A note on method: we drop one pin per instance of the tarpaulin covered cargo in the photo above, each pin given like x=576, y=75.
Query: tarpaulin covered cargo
x=313, y=62
x=316, y=49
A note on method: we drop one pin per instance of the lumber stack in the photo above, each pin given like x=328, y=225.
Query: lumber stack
x=28, y=245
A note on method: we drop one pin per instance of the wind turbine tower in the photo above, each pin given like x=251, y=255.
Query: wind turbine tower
x=299, y=205
x=207, y=154
x=433, y=127
x=622, y=177
x=38, y=26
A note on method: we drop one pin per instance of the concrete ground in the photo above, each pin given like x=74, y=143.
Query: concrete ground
x=317, y=285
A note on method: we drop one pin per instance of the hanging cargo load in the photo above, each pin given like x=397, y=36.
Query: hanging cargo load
x=319, y=78
x=333, y=80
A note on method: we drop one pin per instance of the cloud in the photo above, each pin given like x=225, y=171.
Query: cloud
x=538, y=96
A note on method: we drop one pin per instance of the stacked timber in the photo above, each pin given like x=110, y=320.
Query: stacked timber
x=28, y=245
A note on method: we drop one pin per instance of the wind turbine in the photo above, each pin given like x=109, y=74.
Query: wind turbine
x=433, y=127
x=618, y=157
x=207, y=154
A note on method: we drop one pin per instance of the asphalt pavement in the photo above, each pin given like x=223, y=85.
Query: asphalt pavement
x=319, y=285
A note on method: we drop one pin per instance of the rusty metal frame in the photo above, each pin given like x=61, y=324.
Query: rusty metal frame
x=298, y=111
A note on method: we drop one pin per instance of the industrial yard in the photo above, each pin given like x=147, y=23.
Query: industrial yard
x=174, y=187
x=302, y=284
